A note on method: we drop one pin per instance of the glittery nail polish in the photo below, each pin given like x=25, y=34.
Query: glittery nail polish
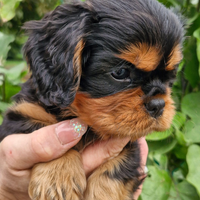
x=70, y=130
x=78, y=127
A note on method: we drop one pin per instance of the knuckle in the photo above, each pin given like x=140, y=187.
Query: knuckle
x=112, y=152
x=41, y=149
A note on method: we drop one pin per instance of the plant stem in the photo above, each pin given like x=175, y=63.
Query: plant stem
x=198, y=6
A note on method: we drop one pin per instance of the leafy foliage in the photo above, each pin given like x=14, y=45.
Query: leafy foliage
x=7, y=11
x=174, y=155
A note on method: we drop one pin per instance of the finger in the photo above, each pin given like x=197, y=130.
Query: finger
x=22, y=151
x=143, y=154
x=143, y=151
x=96, y=154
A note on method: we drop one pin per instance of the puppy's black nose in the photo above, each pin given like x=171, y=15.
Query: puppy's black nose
x=155, y=107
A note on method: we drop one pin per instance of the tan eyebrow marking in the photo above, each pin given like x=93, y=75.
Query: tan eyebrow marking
x=174, y=58
x=143, y=56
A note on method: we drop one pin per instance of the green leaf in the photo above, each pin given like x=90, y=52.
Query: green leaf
x=11, y=90
x=14, y=73
x=157, y=185
x=197, y=36
x=179, y=120
x=193, y=161
x=180, y=151
x=191, y=132
x=161, y=160
x=162, y=146
x=191, y=71
x=155, y=136
x=178, y=176
x=191, y=106
x=193, y=20
x=7, y=9
x=189, y=125
x=180, y=138
x=180, y=67
x=183, y=191
x=4, y=106
x=193, y=136
x=5, y=40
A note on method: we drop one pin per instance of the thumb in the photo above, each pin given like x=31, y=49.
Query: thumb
x=22, y=151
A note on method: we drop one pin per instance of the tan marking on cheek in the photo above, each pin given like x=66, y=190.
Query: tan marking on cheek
x=144, y=57
x=35, y=112
x=175, y=58
x=122, y=114
x=118, y=114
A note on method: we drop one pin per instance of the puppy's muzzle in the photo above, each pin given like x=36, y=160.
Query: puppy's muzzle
x=155, y=107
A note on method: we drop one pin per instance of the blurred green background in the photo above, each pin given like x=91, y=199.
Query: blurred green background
x=174, y=157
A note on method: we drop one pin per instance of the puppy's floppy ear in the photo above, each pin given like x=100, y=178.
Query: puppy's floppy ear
x=54, y=50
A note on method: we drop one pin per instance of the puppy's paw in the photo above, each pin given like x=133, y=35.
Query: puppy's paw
x=60, y=179
x=116, y=179
x=101, y=187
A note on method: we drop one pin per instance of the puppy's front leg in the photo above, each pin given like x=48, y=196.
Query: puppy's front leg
x=60, y=179
x=118, y=178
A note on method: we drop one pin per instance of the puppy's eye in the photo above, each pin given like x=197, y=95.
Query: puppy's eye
x=121, y=74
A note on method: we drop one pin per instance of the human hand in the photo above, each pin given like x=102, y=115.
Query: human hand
x=18, y=154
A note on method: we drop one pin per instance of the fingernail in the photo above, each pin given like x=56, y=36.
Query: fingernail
x=70, y=130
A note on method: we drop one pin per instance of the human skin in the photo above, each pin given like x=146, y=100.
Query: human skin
x=19, y=153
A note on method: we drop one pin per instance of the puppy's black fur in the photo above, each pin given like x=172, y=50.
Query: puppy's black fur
x=108, y=57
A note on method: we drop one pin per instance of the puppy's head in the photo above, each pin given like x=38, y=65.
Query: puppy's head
x=112, y=61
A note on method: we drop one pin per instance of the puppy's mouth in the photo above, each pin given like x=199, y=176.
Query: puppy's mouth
x=129, y=113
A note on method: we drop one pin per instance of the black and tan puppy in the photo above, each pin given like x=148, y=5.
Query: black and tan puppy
x=111, y=63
